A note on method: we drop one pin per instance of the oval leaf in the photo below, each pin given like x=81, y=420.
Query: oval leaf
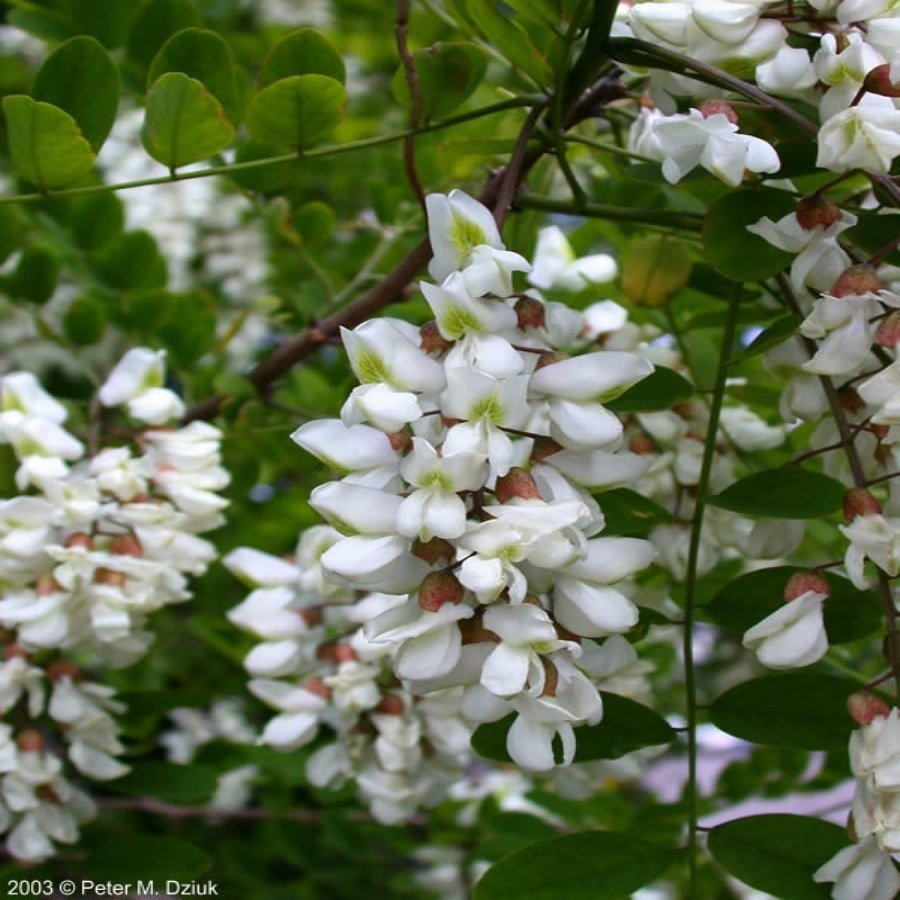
x=81, y=78
x=184, y=122
x=731, y=249
x=661, y=389
x=786, y=493
x=629, y=513
x=626, y=726
x=155, y=857
x=302, y=52
x=778, y=332
x=155, y=23
x=593, y=865
x=778, y=853
x=296, y=111
x=167, y=781
x=655, y=268
x=203, y=55
x=800, y=710
x=108, y=22
x=849, y=614
x=45, y=143
x=448, y=75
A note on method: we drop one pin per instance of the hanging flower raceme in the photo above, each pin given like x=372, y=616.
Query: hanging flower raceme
x=95, y=543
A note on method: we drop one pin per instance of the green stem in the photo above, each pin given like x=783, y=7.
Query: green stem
x=709, y=451
x=671, y=218
x=335, y=150
x=615, y=149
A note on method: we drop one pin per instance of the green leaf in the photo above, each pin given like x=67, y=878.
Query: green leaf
x=630, y=513
x=184, y=122
x=12, y=228
x=96, y=220
x=45, y=143
x=296, y=111
x=801, y=710
x=626, y=726
x=302, y=52
x=36, y=274
x=133, y=261
x=84, y=321
x=662, y=389
x=448, y=73
x=80, y=78
x=485, y=18
x=203, y=55
x=155, y=23
x=108, y=22
x=655, y=268
x=869, y=235
x=591, y=865
x=730, y=248
x=154, y=857
x=169, y=782
x=778, y=853
x=314, y=221
x=778, y=332
x=42, y=23
x=505, y=833
x=147, y=701
x=786, y=493
x=849, y=614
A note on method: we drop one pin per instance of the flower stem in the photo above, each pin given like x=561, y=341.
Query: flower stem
x=709, y=451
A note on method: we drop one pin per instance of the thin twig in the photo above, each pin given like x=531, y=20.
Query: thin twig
x=401, y=34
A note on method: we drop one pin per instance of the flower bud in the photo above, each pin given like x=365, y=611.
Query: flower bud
x=439, y=588
x=435, y=552
x=801, y=583
x=859, y=502
x=80, y=539
x=62, y=668
x=474, y=632
x=13, y=651
x=816, y=210
x=30, y=741
x=854, y=281
x=878, y=81
x=432, y=341
x=888, y=334
x=391, y=705
x=46, y=584
x=530, y=313
x=126, y=545
x=864, y=707
x=310, y=617
x=401, y=441
x=318, y=687
x=516, y=483
x=344, y=653
x=850, y=400
x=110, y=577
x=718, y=107
x=642, y=444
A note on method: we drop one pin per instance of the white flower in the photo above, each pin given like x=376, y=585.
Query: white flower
x=843, y=326
x=137, y=380
x=749, y=431
x=352, y=448
x=21, y=392
x=555, y=264
x=865, y=136
x=875, y=751
x=843, y=70
x=789, y=73
x=298, y=722
x=875, y=537
x=861, y=870
x=714, y=143
x=791, y=637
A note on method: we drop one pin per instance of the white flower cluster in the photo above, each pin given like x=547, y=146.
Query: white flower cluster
x=471, y=447
x=866, y=869
x=94, y=544
x=852, y=74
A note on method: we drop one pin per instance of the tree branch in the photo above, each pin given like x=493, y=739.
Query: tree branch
x=401, y=34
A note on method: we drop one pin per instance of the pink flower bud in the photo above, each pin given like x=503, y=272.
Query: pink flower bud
x=62, y=668
x=14, y=651
x=878, y=81
x=854, y=281
x=642, y=444
x=318, y=687
x=801, y=583
x=816, y=210
x=439, y=588
x=547, y=359
x=888, y=334
x=391, y=705
x=345, y=653
x=126, y=545
x=859, y=502
x=30, y=741
x=401, y=441
x=432, y=341
x=435, y=552
x=718, y=107
x=516, y=483
x=864, y=707
x=80, y=539
x=46, y=585
x=544, y=447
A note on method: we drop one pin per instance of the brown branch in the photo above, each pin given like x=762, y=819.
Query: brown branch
x=401, y=34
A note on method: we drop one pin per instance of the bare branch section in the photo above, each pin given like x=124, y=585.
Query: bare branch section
x=401, y=33
x=391, y=287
